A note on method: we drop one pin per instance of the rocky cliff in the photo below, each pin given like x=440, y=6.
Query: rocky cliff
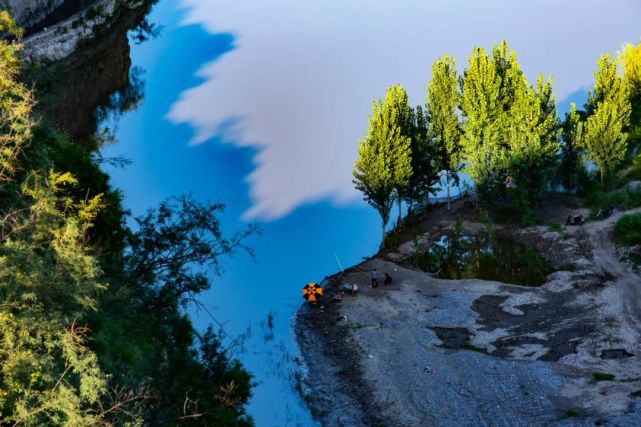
x=56, y=28
x=30, y=12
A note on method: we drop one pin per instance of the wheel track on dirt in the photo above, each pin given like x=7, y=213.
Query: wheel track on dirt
x=626, y=281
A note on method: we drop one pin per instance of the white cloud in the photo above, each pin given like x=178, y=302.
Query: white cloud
x=300, y=82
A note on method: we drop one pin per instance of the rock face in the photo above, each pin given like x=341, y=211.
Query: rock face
x=29, y=12
x=95, y=74
x=56, y=28
x=59, y=41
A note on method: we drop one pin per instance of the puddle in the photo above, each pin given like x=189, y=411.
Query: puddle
x=465, y=256
x=617, y=353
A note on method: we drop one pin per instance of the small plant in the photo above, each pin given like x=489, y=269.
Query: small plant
x=570, y=413
x=392, y=240
x=555, y=228
x=627, y=230
x=469, y=346
x=490, y=228
x=602, y=376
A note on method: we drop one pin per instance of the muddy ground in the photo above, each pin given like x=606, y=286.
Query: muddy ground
x=426, y=351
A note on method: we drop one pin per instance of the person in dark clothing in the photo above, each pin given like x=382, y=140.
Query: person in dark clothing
x=388, y=279
x=374, y=278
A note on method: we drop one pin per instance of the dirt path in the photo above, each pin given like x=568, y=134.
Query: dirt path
x=621, y=278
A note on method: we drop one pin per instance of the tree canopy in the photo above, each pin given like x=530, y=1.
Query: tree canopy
x=604, y=134
x=444, y=129
x=384, y=155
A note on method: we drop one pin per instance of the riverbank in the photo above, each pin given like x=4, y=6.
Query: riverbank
x=430, y=351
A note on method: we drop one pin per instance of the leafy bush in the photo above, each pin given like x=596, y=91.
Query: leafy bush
x=602, y=376
x=627, y=230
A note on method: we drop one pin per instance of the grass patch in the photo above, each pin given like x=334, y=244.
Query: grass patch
x=602, y=376
x=392, y=240
x=627, y=230
x=469, y=346
x=621, y=199
x=570, y=413
x=555, y=228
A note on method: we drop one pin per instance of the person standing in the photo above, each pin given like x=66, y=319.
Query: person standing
x=374, y=278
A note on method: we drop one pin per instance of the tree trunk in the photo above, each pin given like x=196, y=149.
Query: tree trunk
x=383, y=236
x=447, y=178
x=601, y=176
x=398, y=222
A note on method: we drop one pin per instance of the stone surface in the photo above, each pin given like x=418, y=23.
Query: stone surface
x=30, y=12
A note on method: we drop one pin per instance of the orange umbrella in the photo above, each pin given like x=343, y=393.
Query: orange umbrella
x=312, y=292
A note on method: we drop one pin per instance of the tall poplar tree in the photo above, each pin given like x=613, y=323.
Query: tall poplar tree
x=396, y=99
x=425, y=160
x=571, y=148
x=631, y=58
x=604, y=134
x=480, y=109
x=442, y=100
x=509, y=130
x=384, y=157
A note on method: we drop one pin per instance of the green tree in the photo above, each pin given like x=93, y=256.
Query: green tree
x=444, y=129
x=425, y=161
x=50, y=282
x=571, y=161
x=396, y=100
x=532, y=141
x=384, y=158
x=509, y=130
x=631, y=60
x=604, y=134
x=15, y=100
x=480, y=108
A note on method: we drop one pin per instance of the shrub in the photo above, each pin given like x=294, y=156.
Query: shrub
x=602, y=376
x=627, y=230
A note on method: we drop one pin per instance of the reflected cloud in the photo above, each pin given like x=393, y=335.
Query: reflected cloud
x=299, y=84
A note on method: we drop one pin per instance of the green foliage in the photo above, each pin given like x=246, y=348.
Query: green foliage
x=604, y=134
x=384, y=156
x=631, y=61
x=631, y=173
x=571, y=160
x=480, y=108
x=425, y=161
x=602, y=376
x=396, y=100
x=509, y=135
x=49, y=281
x=490, y=228
x=444, y=129
x=555, y=228
x=570, y=413
x=15, y=100
x=627, y=230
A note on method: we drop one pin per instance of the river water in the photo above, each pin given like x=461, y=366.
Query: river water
x=301, y=247
x=259, y=105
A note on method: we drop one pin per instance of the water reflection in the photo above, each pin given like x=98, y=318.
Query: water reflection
x=458, y=255
x=94, y=82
